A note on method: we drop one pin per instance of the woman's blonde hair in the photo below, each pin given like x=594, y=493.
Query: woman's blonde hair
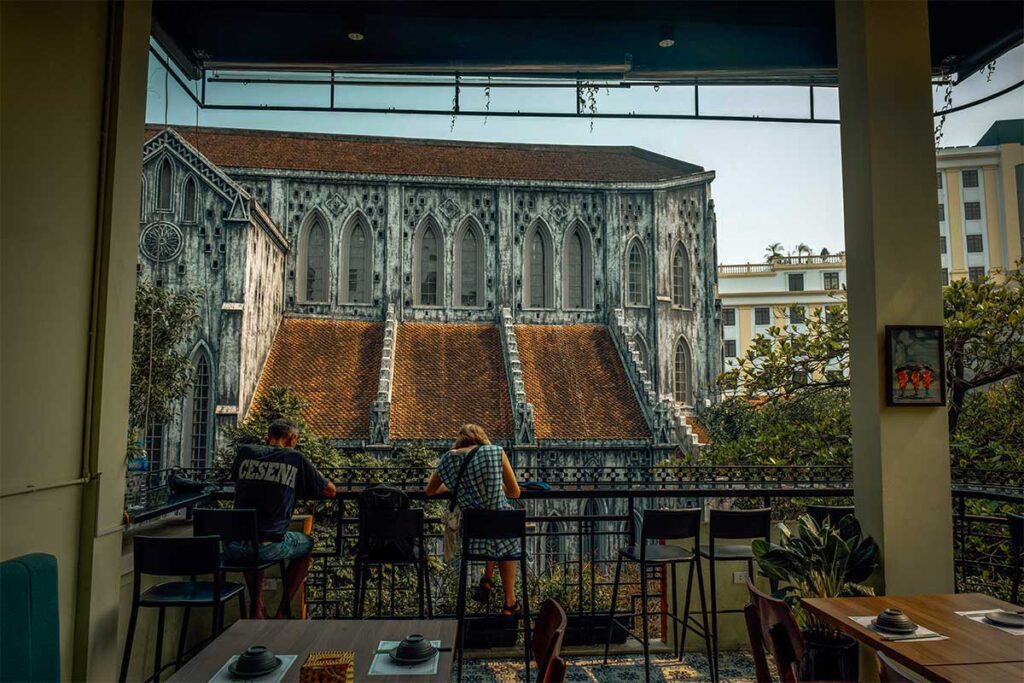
x=471, y=435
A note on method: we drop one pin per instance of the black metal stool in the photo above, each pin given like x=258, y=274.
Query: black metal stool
x=668, y=525
x=1016, y=525
x=391, y=537
x=492, y=525
x=819, y=513
x=193, y=557
x=732, y=525
x=238, y=526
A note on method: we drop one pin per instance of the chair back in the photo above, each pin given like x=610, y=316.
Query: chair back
x=493, y=525
x=548, y=632
x=740, y=524
x=29, y=619
x=891, y=672
x=390, y=535
x=190, y=556
x=762, y=674
x=819, y=513
x=1016, y=524
x=670, y=524
x=555, y=673
x=238, y=525
x=779, y=633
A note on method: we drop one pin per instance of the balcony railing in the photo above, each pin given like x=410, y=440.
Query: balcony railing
x=809, y=260
x=575, y=529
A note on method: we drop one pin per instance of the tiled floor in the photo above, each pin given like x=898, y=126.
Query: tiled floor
x=736, y=667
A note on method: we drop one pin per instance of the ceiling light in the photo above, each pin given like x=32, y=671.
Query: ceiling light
x=356, y=28
x=667, y=36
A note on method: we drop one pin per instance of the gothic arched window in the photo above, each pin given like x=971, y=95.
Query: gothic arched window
x=636, y=275
x=316, y=262
x=188, y=201
x=537, y=268
x=358, y=263
x=202, y=393
x=469, y=281
x=430, y=266
x=589, y=531
x=576, y=269
x=680, y=277
x=641, y=349
x=164, y=183
x=681, y=374
x=554, y=545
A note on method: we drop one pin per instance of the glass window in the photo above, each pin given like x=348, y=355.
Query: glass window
x=830, y=313
x=762, y=315
x=358, y=271
x=730, y=348
x=796, y=315
x=970, y=178
x=574, y=271
x=972, y=211
x=636, y=278
x=155, y=446
x=681, y=389
x=728, y=317
x=164, y=180
x=468, y=293
x=942, y=244
x=428, y=267
x=975, y=244
x=538, y=270
x=680, y=277
x=938, y=180
x=796, y=282
x=201, y=412
x=942, y=212
x=316, y=262
x=188, y=209
x=831, y=281
x=976, y=273
x=945, y=277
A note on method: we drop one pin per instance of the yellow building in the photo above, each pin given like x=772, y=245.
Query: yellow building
x=980, y=211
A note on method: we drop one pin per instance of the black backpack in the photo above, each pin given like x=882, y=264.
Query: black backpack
x=381, y=500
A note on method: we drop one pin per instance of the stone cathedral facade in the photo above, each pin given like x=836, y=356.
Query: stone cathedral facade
x=563, y=296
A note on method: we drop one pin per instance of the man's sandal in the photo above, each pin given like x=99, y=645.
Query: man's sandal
x=482, y=594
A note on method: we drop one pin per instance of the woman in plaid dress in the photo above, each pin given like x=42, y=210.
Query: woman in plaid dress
x=487, y=484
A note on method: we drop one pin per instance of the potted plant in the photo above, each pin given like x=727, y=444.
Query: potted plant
x=826, y=561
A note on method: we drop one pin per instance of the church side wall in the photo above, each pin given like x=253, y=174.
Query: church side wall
x=263, y=305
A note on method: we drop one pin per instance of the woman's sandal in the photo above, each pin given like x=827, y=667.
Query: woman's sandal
x=513, y=610
x=482, y=594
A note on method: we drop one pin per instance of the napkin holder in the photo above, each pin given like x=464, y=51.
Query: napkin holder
x=328, y=667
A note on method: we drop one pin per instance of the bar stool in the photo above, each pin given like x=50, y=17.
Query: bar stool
x=732, y=525
x=668, y=525
x=391, y=537
x=492, y=525
x=195, y=556
x=819, y=513
x=1016, y=525
x=236, y=526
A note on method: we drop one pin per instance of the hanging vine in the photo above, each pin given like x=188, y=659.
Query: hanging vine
x=586, y=100
x=946, y=83
x=487, y=99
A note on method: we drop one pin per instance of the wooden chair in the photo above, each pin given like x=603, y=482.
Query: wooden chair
x=773, y=629
x=547, y=638
x=555, y=672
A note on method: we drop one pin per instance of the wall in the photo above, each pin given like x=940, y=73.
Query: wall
x=71, y=130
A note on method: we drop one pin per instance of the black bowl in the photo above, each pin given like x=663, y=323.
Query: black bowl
x=256, y=661
x=894, y=621
x=413, y=649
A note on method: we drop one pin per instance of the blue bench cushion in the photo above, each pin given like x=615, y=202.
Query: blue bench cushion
x=29, y=619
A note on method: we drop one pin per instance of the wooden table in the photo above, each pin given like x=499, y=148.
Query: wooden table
x=296, y=637
x=999, y=672
x=969, y=644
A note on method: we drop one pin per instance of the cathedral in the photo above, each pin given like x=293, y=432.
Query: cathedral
x=564, y=297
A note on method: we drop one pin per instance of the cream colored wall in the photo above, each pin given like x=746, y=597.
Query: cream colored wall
x=993, y=214
x=955, y=218
x=70, y=135
x=1011, y=156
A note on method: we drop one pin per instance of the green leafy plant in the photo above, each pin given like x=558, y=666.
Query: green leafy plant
x=827, y=561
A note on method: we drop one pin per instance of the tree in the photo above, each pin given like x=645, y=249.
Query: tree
x=161, y=368
x=773, y=252
x=803, y=249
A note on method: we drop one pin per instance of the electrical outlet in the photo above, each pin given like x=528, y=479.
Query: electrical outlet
x=739, y=577
x=270, y=584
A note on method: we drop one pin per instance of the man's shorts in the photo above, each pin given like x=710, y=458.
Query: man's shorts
x=294, y=544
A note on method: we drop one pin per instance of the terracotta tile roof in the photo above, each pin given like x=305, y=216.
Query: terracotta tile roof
x=447, y=374
x=241, y=148
x=575, y=380
x=698, y=428
x=333, y=364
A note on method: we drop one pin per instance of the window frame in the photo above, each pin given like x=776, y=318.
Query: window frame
x=826, y=276
x=161, y=181
x=681, y=281
x=972, y=205
x=789, y=282
x=943, y=246
x=942, y=212
x=757, y=310
x=684, y=394
x=428, y=224
x=972, y=173
x=186, y=215
x=538, y=229
x=578, y=230
x=356, y=221
x=725, y=348
x=976, y=240
x=635, y=246
x=201, y=352
x=731, y=311
x=945, y=277
x=973, y=273
x=469, y=227
x=314, y=219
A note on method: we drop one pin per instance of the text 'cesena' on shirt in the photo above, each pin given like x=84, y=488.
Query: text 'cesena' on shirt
x=275, y=472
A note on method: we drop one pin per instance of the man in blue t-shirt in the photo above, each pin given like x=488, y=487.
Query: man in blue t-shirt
x=269, y=479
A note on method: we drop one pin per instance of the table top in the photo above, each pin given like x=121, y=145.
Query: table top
x=998, y=672
x=297, y=637
x=969, y=642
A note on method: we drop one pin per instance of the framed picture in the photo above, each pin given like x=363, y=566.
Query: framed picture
x=915, y=365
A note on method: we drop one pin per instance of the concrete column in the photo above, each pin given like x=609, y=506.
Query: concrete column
x=900, y=454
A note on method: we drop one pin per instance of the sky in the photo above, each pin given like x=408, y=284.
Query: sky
x=775, y=182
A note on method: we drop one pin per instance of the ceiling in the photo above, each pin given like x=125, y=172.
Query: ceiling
x=766, y=41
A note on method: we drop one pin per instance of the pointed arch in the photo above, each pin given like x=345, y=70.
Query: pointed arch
x=636, y=273
x=554, y=545
x=198, y=418
x=357, y=260
x=538, y=276
x=577, y=268
x=164, y=184
x=680, y=276
x=642, y=350
x=682, y=390
x=189, y=200
x=313, y=283
x=428, y=264
x=468, y=282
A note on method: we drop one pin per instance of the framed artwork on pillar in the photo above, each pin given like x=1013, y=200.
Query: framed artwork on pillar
x=915, y=365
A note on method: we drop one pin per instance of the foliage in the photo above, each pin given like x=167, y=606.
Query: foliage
x=161, y=367
x=990, y=432
x=773, y=251
x=827, y=561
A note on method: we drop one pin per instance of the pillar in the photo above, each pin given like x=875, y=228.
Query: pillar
x=901, y=463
